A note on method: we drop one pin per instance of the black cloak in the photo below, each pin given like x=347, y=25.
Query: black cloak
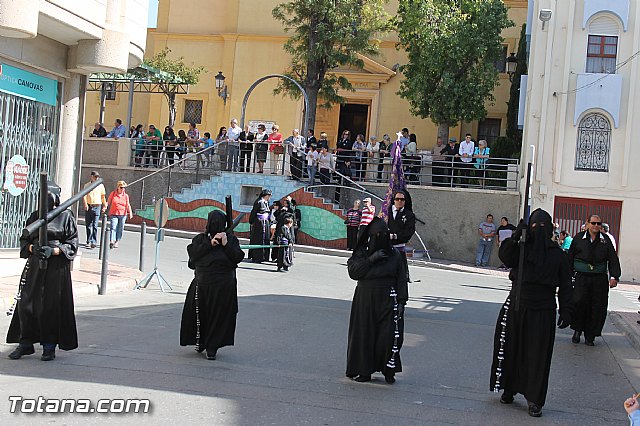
x=260, y=229
x=211, y=305
x=523, y=340
x=376, y=326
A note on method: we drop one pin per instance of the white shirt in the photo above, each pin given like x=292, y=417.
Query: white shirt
x=312, y=158
x=613, y=240
x=233, y=133
x=394, y=210
x=466, y=148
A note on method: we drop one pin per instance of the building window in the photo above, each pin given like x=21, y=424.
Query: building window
x=192, y=111
x=501, y=64
x=594, y=143
x=601, y=54
x=489, y=130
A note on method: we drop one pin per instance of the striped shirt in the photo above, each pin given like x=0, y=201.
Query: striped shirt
x=367, y=215
x=353, y=217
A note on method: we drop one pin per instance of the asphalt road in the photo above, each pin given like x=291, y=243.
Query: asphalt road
x=287, y=366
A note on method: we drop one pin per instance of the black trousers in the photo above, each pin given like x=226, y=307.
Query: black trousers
x=245, y=158
x=590, y=298
x=352, y=237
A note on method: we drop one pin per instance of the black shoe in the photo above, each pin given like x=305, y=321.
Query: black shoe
x=534, y=410
x=576, y=336
x=352, y=376
x=389, y=378
x=286, y=268
x=588, y=342
x=362, y=378
x=22, y=350
x=211, y=355
x=506, y=398
x=48, y=355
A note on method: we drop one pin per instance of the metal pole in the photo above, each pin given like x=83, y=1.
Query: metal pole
x=169, y=183
x=143, y=233
x=103, y=103
x=103, y=235
x=132, y=83
x=105, y=269
x=43, y=209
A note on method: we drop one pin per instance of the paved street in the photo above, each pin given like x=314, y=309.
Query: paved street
x=288, y=363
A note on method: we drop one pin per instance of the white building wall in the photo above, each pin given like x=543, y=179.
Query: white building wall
x=559, y=94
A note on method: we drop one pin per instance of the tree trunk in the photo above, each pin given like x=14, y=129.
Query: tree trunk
x=171, y=98
x=312, y=94
x=443, y=131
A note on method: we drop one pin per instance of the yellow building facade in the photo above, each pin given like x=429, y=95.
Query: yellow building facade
x=243, y=40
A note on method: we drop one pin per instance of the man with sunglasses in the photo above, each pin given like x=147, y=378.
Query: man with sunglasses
x=596, y=268
x=402, y=223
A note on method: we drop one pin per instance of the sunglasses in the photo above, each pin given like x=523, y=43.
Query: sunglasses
x=399, y=199
x=596, y=223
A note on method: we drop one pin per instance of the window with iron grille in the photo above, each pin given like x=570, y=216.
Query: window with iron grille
x=601, y=54
x=192, y=111
x=501, y=64
x=594, y=143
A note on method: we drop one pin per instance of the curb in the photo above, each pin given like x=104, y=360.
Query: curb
x=630, y=330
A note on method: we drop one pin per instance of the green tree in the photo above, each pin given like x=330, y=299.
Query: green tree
x=172, y=72
x=326, y=34
x=514, y=96
x=452, y=46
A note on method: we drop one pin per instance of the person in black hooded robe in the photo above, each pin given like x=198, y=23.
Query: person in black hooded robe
x=211, y=305
x=524, y=335
x=44, y=312
x=260, y=233
x=376, y=325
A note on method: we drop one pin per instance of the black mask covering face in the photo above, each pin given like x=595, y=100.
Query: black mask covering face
x=216, y=222
x=53, y=195
x=378, y=236
x=539, y=235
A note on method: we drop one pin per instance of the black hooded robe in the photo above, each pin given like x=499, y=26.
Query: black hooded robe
x=523, y=340
x=260, y=231
x=372, y=328
x=45, y=312
x=211, y=305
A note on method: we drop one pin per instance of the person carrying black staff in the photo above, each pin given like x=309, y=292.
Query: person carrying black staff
x=45, y=308
x=596, y=268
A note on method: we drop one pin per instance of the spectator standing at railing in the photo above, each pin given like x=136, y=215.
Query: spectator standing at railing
x=246, y=148
x=118, y=131
x=323, y=142
x=276, y=149
x=138, y=137
x=481, y=156
x=412, y=160
x=233, y=148
x=221, y=148
x=154, y=145
x=262, y=147
x=357, y=165
x=353, y=222
x=372, y=157
x=465, y=151
x=170, y=144
x=312, y=165
x=384, y=168
x=98, y=131
x=119, y=208
x=193, y=136
x=438, y=166
x=95, y=202
x=182, y=144
x=207, y=142
x=450, y=153
x=324, y=165
x=344, y=147
x=296, y=146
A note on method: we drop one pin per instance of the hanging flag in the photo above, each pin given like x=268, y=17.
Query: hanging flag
x=396, y=181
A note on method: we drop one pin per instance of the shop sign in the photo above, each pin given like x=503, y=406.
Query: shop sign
x=28, y=85
x=17, y=172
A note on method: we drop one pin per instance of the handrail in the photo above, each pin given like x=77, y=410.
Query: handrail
x=185, y=158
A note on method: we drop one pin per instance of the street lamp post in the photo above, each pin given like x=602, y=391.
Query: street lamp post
x=512, y=64
x=221, y=87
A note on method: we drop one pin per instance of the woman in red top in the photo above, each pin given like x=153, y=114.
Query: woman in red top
x=276, y=149
x=119, y=208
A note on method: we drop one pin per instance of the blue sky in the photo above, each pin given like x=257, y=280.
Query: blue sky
x=153, y=14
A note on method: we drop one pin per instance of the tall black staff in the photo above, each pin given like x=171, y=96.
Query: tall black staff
x=43, y=210
x=525, y=221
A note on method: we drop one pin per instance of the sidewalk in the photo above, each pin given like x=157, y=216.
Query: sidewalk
x=86, y=281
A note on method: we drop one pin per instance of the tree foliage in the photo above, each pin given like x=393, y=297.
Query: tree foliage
x=452, y=46
x=173, y=71
x=326, y=34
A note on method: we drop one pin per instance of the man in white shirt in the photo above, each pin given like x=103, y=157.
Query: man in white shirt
x=605, y=228
x=233, y=146
x=466, y=156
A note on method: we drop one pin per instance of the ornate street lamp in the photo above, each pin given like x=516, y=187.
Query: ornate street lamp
x=512, y=64
x=221, y=87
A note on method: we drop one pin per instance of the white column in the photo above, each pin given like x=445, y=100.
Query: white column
x=70, y=146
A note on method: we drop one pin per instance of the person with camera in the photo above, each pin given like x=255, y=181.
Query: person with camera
x=525, y=329
x=211, y=306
